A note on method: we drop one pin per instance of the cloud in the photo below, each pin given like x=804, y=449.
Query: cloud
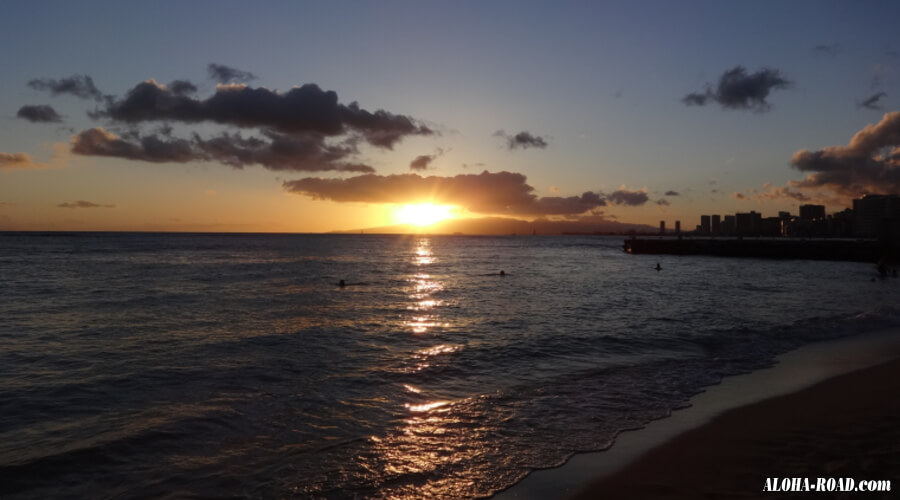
x=182, y=87
x=83, y=204
x=39, y=114
x=274, y=151
x=522, y=140
x=422, y=162
x=830, y=50
x=663, y=202
x=99, y=142
x=870, y=163
x=81, y=86
x=738, y=90
x=19, y=161
x=225, y=74
x=672, y=193
x=871, y=102
x=740, y=196
x=305, y=153
x=625, y=196
x=304, y=109
x=486, y=193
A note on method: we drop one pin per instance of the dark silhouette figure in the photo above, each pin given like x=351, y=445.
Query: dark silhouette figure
x=658, y=267
x=342, y=284
x=502, y=273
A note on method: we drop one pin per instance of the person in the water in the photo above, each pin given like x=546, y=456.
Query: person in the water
x=658, y=267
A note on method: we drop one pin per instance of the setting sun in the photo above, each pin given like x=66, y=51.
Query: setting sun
x=424, y=214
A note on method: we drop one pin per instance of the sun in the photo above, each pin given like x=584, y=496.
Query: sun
x=423, y=214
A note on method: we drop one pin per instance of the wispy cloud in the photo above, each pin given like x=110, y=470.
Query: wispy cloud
x=226, y=74
x=830, y=50
x=522, y=140
x=81, y=86
x=83, y=204
x=872, y=102
x=19, y=161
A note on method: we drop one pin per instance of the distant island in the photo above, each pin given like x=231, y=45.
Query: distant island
x=507, y=226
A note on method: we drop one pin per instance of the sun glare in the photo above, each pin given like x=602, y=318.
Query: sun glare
x=424, y=214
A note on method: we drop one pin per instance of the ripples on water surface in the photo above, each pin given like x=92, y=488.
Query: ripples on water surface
x=149, y=365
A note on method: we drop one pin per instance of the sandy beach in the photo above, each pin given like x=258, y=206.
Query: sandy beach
x=844, y=427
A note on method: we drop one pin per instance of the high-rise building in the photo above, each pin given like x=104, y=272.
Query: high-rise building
x=876, y=215
x=704, y=224
x=812, y=212
x=662, y=227
x=747, y=224
x=728, y=227
x=716, y=224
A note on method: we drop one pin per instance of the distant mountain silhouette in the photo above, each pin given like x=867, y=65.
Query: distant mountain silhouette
x=503, y=225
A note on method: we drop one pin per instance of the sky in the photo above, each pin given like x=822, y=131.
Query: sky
x=323, y=116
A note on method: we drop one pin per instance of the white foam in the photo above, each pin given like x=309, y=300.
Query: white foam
x=794, y=371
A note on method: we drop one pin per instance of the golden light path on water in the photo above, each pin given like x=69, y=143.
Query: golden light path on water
x=433, y=434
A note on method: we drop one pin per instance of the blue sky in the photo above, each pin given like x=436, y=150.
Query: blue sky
x=600, y=83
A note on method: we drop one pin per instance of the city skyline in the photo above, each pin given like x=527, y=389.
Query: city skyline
x=315, y=118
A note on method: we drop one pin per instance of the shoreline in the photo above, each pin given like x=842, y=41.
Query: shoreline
x=606, y=473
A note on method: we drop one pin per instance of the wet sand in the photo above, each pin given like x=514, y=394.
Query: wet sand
x=844, y=427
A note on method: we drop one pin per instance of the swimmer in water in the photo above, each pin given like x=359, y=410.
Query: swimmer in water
x=502, y=273
x=342, y=284
x=658, y=267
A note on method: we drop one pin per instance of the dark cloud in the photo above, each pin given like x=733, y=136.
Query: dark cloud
x=225, y=74
x=624, y=196
x=871, y=102
x=84, y=204
x=737, y=89
x=672, y=193
x=663, y=202
x=740, y=196
x=870, y=163
x=421, y=162
x=306, y=153
x=99, y=142
x=39, y=114
x=77, y=85
x=274, y=151
x=487, y=193
x=182, y=87
x=305, y=109
x=522, y=140
x=830, y=50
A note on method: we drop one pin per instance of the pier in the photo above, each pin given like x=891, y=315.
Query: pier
x=859, y=250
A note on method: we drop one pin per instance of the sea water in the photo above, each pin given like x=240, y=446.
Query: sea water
x=198, y=365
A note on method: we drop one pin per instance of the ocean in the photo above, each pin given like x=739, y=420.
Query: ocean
x=212, y=365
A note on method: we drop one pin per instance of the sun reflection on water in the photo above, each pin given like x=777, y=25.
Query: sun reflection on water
x=422, y=288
